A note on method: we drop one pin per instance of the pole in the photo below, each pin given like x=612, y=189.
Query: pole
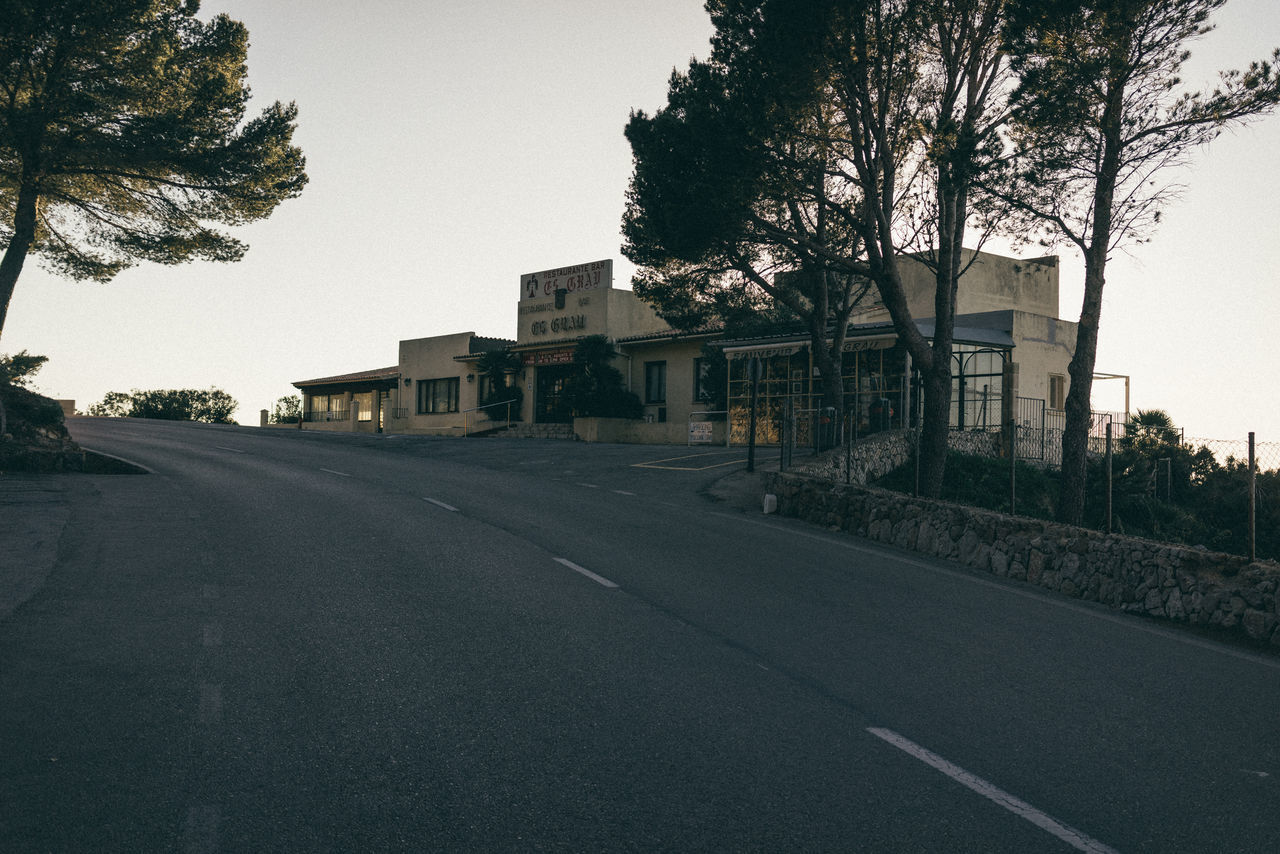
x=1108, y=477
x=753, y=370
x=1253, y=502
x=1013, y=467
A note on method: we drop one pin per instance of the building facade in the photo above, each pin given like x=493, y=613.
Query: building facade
x=1009, y=343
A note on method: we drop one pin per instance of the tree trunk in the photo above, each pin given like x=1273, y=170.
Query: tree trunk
x=1075, y=434
x=24, y=233
x=935, y=427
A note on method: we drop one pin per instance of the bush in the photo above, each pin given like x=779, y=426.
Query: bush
x=213, y=406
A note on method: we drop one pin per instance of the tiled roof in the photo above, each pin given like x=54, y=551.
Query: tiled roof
x=379, y=374
x=673, y=334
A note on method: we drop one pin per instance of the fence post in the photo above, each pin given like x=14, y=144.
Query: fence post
x=917, y=431
x=1253, y=502
x=847, y=437
x=1108, y=477
x=1013, y=467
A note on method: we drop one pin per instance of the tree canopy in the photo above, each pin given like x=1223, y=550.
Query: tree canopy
x=1100, y=116
x=212, y=406
x=123, y=138
x=820, y=142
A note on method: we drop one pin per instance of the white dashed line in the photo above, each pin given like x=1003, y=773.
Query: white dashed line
x=590, y=485
x=441, y=504
x=1020, y=808
x=588, y=573
x=338, y=473
x=622, y=492
x=232, y=450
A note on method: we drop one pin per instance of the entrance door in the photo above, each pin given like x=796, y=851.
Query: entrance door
x=549, y=406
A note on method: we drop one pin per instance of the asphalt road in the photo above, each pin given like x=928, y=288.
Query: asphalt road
x=315, y=642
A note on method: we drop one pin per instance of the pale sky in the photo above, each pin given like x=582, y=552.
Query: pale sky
x=453, y=145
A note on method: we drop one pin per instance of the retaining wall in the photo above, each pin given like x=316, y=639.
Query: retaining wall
x=1178, y=583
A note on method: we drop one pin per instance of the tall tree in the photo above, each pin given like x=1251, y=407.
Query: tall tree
x=1099, y=124
x=733, y=193
x=920, y=85
x=122, y=137
x=826, y=138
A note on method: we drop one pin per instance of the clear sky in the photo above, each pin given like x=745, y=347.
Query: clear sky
x=454, y=144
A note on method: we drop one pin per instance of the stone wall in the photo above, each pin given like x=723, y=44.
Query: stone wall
x=34, y=438
x=1178, y=583
x=874, y=456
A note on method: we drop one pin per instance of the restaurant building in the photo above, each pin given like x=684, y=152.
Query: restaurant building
x=1009, y=342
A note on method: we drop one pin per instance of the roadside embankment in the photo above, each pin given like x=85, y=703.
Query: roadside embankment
x=1182, y=584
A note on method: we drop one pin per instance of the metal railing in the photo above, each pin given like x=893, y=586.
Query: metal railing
x=328, y=415
x=506, y=403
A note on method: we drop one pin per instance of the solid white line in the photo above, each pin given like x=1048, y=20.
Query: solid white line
x=1020, y=808
x=338, y=473
x=588, y=573
x=232, y=450
x=448, y=507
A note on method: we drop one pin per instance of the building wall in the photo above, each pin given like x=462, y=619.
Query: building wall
x=991, y=283
x=679, y=357
x=425, y=359
x=1044, y=346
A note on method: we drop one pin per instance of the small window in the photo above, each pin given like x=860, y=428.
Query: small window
x=655, y=382
x=702, y=381
x=1057, y=391
x=436, y=396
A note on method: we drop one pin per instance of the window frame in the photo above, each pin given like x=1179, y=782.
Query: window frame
x=658, y=369
x=1061, y=397
x=427, y=395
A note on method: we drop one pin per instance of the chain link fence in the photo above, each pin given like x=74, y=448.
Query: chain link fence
x=1160, y=484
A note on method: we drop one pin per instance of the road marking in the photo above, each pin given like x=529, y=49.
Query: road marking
x=210, y=710
x=338, y=473
x=200, y=831
x=654, y=464
x=588, y=573
x=590, y=485
x=448, y=507
x=622, y=492
x=1041, y=595
x=1022, y=809
x=232, y=450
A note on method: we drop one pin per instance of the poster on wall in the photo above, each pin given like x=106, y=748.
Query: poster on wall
x=595, y=275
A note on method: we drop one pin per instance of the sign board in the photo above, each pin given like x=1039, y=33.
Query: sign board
x=700, y=432
x=549, y=357
x=595, y=275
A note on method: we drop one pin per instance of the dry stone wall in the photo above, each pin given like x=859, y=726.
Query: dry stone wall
x=874, y=456
x=1177, y=583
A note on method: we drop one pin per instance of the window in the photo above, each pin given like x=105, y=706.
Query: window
x=655, y=382
x=1057, y=391
x=702, y=392
x=436, y=396
x=365, y=402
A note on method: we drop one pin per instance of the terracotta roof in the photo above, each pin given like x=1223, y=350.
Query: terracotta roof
x=378, y=374
x=673, y=334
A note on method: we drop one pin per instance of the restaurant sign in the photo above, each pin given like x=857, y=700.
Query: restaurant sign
x=574, y=279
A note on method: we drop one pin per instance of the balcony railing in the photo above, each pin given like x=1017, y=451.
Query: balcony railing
x=325, y=416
